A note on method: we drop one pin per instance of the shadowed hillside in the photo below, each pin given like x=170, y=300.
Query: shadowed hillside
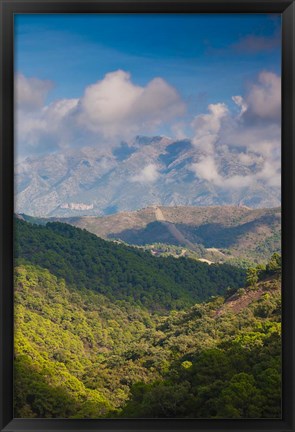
x=121, y=272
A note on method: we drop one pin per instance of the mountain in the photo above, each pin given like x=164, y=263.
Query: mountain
x=143, y=172
x=217, y=233
x=120, y=272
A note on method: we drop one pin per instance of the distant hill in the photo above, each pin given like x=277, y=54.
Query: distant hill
x=121, y=272
x=217, y=233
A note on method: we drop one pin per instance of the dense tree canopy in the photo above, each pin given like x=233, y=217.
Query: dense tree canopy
x=80, y=355
x=122, y=272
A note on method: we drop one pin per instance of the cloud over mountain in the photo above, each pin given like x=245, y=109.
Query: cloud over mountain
x=148, y=174
x=110, y=110
x=230, y=149
x=254, y=135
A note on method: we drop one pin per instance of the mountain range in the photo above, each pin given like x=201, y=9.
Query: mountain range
x=143, y=172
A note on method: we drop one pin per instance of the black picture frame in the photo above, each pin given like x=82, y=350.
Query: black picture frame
x=7, y=10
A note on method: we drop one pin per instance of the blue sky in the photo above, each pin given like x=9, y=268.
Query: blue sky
x=207, y=58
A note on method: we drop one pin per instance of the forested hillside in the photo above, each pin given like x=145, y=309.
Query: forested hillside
x=79, y=355
x=121, y=272
x=107, y=330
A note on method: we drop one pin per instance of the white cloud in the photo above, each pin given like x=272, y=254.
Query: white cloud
x=106, y=104
x=178, y=130
x=149, y=174
x=159, y=101
x=253, y=44
x=264, y=97
x=58, y=110
x=45, y=129
x=239, y=101
x=110, y=110
x=30, y=93
x=207, y=169
x=115, y=107
x=207, y=127
x=253, y=137
x=248, y=159
x=237, y=181
x=271, y=173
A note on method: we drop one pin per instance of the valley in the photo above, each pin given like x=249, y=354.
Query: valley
x=90, y=343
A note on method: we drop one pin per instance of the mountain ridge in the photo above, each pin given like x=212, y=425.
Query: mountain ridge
x=215, y=232
x=121, y=272
x=143, y=172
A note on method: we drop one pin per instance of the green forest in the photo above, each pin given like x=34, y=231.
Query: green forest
x=106, y=330
x=121, y=272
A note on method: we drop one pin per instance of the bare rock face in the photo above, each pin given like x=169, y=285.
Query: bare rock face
x=138, y=174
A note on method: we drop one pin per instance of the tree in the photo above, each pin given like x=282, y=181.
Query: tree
x=274, y=266
x=252, y=277
x=241, y=398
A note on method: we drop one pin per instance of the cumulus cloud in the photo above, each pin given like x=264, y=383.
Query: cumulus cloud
x=149, y=174
x=116, y=107
x=60, y=109
x=107, y=104
x=110, y=110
